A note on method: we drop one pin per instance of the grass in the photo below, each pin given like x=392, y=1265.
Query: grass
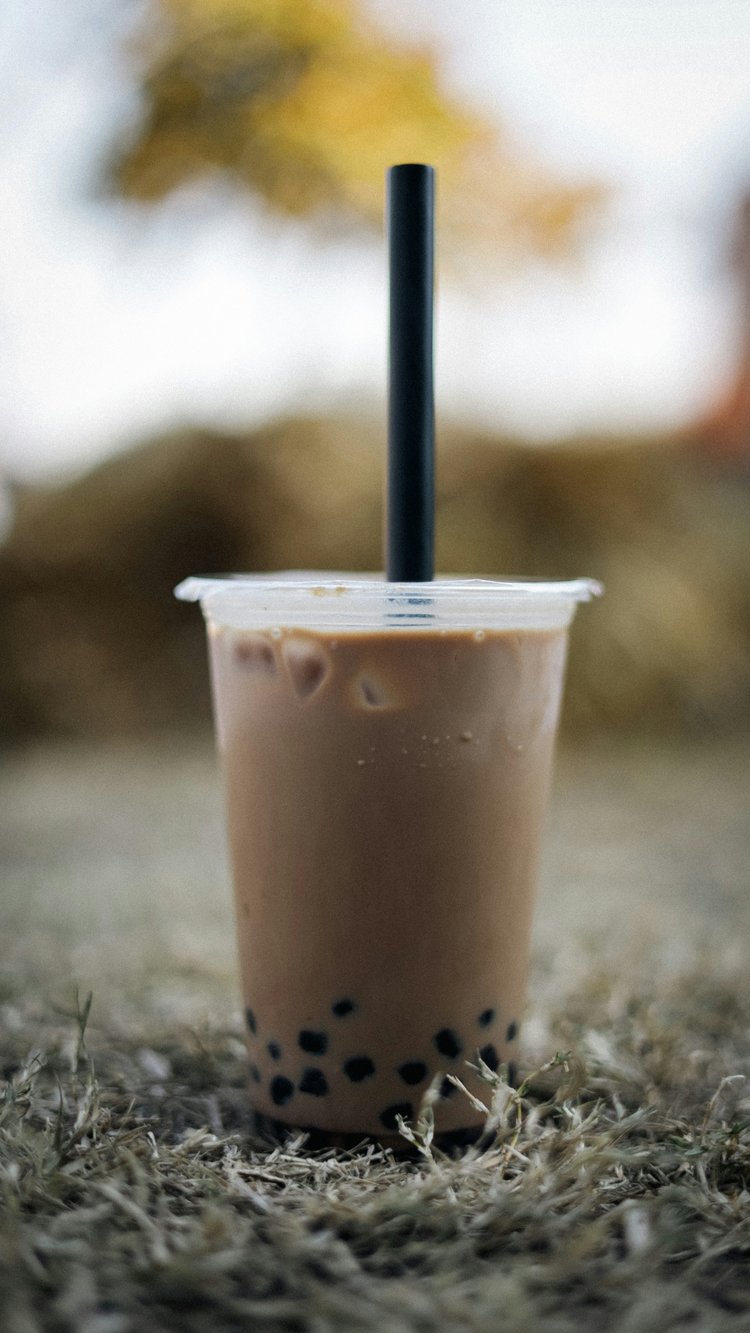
x=614, y=1193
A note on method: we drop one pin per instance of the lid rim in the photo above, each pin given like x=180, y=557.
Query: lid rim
x=199, y=588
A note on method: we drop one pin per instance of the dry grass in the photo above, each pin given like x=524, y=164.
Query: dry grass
x=613, y=1194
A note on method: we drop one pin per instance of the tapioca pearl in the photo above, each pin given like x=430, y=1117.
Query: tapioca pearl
x=413, y=1071
x=307, y=665
x=359, y=1067
x=274, y=1050
x=282, y=1090
x=253, y=652
x=446, y=1089
x=315, y=1043
x=486, y=1017
x=388, y=1116
x=255, y=1073
x=490, y=1057
x=314, y=1082
x=343, y=1007
x=448, y=1043
x=512, y=1031
x=251, y=1020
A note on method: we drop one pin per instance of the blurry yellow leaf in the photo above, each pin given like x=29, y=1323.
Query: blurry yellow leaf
x=307, y=102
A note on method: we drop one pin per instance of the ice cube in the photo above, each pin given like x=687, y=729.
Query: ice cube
x=253, y=652
x=373, y=692
x=307, y=664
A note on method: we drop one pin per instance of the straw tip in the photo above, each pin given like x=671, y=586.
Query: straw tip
x=411, y=168
x=411, y=191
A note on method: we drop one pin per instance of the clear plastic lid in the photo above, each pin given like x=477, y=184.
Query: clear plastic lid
x=298, y=599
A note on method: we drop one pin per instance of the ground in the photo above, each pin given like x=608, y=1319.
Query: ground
x=614, y=1191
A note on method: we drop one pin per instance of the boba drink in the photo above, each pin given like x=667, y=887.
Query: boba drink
x=386, y=752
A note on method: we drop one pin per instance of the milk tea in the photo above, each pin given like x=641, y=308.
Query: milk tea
x=385, y=792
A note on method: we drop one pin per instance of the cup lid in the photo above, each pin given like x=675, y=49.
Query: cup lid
x=328, y=599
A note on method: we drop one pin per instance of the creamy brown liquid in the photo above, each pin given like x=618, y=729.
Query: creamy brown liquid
x=386, y=793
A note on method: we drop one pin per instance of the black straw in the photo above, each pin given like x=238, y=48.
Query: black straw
x=411, y=405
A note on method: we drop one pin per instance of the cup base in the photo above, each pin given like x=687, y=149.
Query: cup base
x=452, y=1142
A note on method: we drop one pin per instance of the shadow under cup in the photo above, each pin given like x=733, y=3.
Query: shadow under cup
x=386, y=751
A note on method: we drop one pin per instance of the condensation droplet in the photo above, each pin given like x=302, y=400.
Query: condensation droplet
x=467, y=735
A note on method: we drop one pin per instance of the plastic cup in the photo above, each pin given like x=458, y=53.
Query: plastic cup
x=387, y=752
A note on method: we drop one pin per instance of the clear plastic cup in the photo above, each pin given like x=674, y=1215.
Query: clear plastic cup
x=387, y=752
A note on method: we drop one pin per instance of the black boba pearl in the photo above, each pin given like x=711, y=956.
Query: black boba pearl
x=448, y=1043
x=282, y=1090
x=314, y=1042
x=486, y=1017
x=274, y=1050
x=512, y=1032
x=251, y=1020
x=447, y=1089
x=359, y=1067
x=255, y=1073
x=490, y=1056
x=388, y=1116
x=314, y=1082
x=413, y=1071
x=343, y=1007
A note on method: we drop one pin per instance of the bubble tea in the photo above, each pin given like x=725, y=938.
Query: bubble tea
x=386, y=753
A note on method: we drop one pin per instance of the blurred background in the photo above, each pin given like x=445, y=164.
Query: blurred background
x=193, y=319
